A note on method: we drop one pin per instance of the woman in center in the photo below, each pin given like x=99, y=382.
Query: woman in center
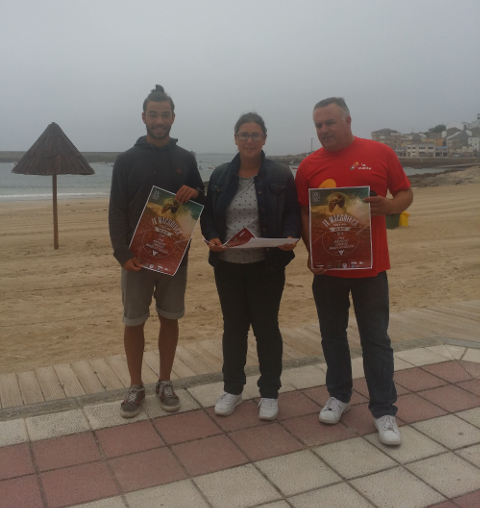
x=259, y=194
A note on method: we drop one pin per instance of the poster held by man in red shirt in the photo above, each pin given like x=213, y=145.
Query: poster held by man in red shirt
x=340, y=236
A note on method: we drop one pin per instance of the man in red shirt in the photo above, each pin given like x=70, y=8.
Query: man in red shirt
x=347, y=161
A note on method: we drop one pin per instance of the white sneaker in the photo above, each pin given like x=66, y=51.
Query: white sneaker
x=226, y=403
x=388, y=432
x=268, y=409
x=333, y=410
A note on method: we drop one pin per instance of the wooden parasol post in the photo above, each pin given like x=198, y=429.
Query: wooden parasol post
x=55, y=212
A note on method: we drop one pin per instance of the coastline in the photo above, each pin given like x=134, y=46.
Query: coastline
x=48, y=197
x=417, y=179
x=65, y=305
x=451, y=176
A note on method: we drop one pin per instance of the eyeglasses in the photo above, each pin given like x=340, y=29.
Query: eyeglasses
x=243, y=136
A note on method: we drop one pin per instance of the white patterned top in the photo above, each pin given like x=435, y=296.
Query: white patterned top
x=243, y=213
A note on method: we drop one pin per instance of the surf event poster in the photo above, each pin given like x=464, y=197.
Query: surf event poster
x=340, y=228
x=164, y=231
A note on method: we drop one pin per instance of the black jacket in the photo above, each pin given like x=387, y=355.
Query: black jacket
x=278, y=208
x=134, y=173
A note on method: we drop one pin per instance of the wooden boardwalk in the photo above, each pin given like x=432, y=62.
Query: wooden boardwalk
x=459, y=321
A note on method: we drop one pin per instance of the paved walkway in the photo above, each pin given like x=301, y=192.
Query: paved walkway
x=89, y=457
x=459, y=321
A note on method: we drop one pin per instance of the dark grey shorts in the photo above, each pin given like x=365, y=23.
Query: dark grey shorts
x=138, y=288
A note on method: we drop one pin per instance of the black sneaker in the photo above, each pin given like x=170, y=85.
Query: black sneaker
x=168, y=398
x=130, y=407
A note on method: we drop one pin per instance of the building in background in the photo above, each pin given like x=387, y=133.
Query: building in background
x=456, y=138
x=389, y=137
x=425, y=149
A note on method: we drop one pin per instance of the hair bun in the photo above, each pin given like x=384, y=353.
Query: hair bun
x=158, y=88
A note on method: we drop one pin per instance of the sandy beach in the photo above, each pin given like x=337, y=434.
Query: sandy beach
x=65, y=305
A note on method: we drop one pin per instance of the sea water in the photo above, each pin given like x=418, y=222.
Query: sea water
x=15, y=187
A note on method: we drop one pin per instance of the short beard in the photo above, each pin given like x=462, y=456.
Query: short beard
x=154, y=136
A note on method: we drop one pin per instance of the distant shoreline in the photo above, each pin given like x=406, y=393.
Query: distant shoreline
x=409, y=162
x=452, y=176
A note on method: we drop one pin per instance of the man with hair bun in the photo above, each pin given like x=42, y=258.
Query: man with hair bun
x=347, y=161
x=155, y=159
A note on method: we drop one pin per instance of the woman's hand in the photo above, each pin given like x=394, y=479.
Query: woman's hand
x=288, y=246
x=215, y=244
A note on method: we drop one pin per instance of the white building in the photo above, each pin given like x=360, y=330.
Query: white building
x=476, y=123
x=474, y=142
x=461, y=126
x=425, y=149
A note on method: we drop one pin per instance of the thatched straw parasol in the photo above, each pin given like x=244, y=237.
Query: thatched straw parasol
x=53, y=154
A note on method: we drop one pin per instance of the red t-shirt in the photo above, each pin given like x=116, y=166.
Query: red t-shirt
x=364, y=162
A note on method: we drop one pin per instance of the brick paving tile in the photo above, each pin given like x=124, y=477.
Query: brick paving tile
x=359, y=419
x=444, y=504
x=132, y=438
x=65, y=451
x=209, y=455
x=451, y=398
x=311, y=432
x=15, y=461
x=472, y=386
x=295, y=404
x=244, y=416
x=360, y=386
x=472, y=368
x=20, y=492
x=147, y=469
x=318, y=394
x=78, y=484
x=357, y=399
x=452, y=372
x=265, y=442
x=412, y=408
x=471, y=500
x=417, y=379
x=399, y=421
x=401, y=390
x=186, y=427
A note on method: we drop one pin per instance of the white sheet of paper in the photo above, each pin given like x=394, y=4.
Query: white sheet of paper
x=255, y=243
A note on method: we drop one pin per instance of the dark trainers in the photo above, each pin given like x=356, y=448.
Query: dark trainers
x=130, y=407
x=168, y=398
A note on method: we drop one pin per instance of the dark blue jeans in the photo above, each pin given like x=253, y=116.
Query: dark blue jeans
x=370, y=301
x=250, y=295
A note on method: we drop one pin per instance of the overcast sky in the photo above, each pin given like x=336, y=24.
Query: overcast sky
x=88, y=65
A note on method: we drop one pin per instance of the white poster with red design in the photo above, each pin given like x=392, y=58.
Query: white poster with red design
x=164, y=230
x=340, y=228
